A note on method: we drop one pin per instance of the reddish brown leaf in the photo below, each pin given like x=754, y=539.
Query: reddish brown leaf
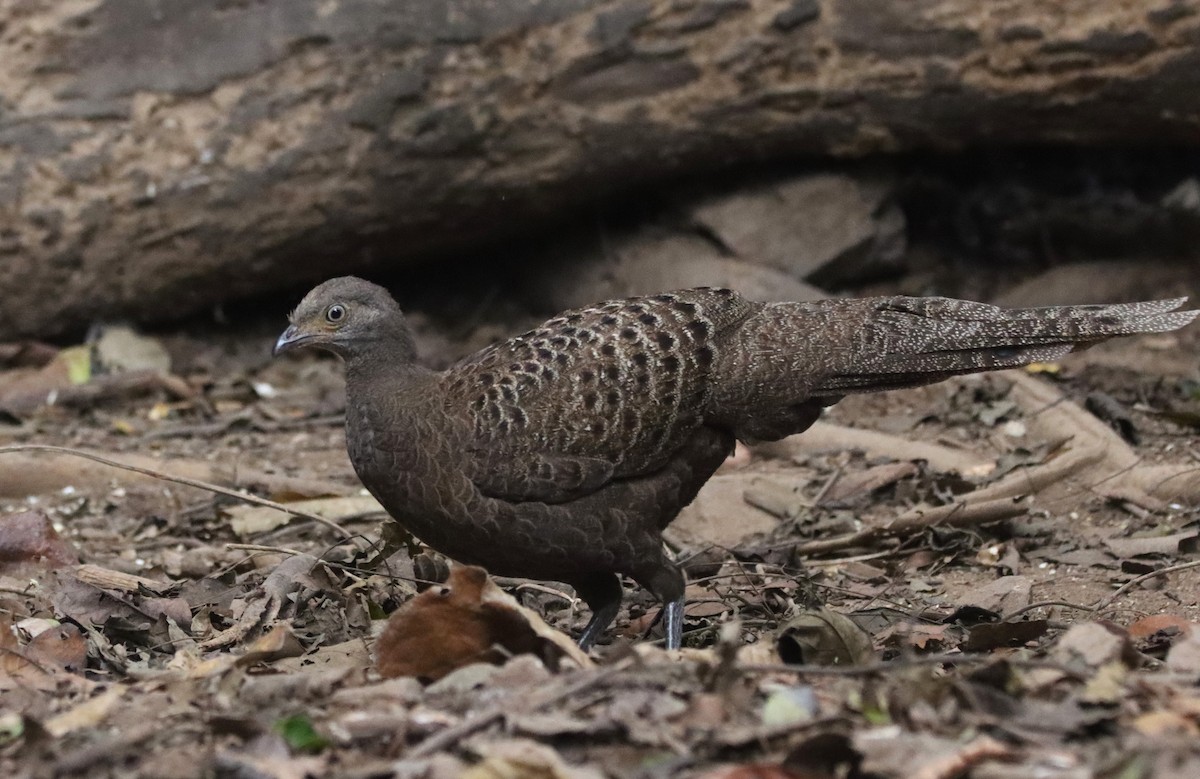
x=28, y=540
x=60, y=647
x=17, y=670
x=453, y=625
x=1148, y=626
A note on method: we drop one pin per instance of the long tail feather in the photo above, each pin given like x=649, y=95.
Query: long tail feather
x=790, y=353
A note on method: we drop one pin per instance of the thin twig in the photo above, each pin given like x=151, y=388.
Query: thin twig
x=828, y=485
x=962, y=514
x=1104, y=604
x=1045, y=604
x=264, y=549
x=831, y=562
x=201, y=485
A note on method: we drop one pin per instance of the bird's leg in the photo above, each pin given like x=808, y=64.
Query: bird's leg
x=673, y=622
x=602, y=593
x=667, y=583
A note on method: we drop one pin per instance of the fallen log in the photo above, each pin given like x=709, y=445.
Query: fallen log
x=156, y=158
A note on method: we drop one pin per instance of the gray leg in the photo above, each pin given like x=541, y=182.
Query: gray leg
x=602, y=593
x=673, y=622
x=666, y=582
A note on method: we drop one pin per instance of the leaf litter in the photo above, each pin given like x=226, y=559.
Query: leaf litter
x=1001, y=586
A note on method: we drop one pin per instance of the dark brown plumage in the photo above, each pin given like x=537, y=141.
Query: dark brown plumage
x=562, y=453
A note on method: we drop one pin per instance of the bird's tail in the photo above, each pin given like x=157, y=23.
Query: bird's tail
x=789, y=353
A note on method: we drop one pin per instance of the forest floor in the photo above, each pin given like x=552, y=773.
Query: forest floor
x=992, y=577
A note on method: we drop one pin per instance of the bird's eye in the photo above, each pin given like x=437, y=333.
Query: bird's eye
x=335, y=314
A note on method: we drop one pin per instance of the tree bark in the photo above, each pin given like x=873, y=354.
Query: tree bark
x=157, y=156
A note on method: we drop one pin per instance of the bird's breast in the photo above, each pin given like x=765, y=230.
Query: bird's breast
x=412, y=464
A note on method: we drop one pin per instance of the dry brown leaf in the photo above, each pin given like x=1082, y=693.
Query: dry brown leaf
x=1094, y=644
x=1148, y=626
x=1187, y=705
x=467, y=620
x=88, y=714
x=524, y=759
x=24, y=390
x=1003, y=595
x=824, y=437
x=1166, y=724
x=703, y=602
x=276, y=644
x=18, y=671
x=823, y=637
x=919, y=636
x=61, y=648
x=348, y=655
x=28, y=541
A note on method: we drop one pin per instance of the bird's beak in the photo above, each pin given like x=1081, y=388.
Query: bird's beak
x=292, y=338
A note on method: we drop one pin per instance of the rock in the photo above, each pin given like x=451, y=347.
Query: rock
x=655, y=260
x=829, y=229
x=1102, y=282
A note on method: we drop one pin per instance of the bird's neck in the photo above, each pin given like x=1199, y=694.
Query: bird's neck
x=386, y=367
x=387, y=346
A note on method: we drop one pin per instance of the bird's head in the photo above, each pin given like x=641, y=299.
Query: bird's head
x=349, y=317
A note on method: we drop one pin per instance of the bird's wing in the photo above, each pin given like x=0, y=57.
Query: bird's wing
x=592, y=395
x=546, y=477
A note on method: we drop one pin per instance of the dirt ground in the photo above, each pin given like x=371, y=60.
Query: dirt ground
x=1019, y=597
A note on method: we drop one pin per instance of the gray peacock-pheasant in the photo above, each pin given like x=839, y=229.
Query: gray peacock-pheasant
x=562, y=453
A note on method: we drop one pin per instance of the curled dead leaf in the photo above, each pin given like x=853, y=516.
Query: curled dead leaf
x=467, y=620
x=823, y=637
x=276, y=644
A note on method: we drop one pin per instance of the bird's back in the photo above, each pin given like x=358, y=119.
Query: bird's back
x=625, y=381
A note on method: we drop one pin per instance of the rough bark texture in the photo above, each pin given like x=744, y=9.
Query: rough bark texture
x=159, y=156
